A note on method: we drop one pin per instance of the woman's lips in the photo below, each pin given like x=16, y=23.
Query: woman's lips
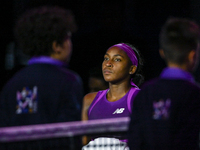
x=106, y=71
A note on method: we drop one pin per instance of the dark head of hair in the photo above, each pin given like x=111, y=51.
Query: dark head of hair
x=38, y=28
x=178, y=37
x=137, y=77
x=96, y=72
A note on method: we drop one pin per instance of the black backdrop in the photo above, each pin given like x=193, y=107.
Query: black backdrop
x=102, y=23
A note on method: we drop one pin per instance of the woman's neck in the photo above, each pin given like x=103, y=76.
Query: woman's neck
x=116, y=92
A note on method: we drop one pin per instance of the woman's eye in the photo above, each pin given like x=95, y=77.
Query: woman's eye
x=105, y=58
x=117, y=59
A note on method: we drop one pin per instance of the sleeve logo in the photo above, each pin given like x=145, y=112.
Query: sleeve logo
x=161, y=109
x=26, y=101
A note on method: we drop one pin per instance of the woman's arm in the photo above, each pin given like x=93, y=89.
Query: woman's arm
x=87, y=100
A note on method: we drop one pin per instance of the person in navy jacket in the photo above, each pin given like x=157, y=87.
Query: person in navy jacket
x=45, y=91
x=166, y=112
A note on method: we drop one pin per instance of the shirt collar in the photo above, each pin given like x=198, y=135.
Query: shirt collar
x=46, y=60
x=176, y=73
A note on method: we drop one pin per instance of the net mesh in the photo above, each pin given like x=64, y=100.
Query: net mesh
x=66, y=135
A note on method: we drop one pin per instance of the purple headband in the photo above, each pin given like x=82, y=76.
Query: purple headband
x=129, y=51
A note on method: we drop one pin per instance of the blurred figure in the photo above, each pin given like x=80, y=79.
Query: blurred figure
x=44, y=91
x=96, y=81
x=15, y=60
x=166, y=111
x=121, y=69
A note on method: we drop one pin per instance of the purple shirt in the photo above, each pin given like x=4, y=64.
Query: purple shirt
x=102, y=108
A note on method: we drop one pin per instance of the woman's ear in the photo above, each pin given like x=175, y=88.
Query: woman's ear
x=161, y=52
x=132, y=69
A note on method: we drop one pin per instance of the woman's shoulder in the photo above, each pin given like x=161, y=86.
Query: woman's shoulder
x=87, y=100
x=90, y=96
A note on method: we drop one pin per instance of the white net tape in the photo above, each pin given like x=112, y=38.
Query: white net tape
x=66, y=129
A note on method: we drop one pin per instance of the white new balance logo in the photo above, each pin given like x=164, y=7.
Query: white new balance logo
x=119, y=111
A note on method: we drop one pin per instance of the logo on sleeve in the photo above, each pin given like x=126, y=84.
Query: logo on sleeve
x=161, y=109
x=26, y=101
x=119, y=110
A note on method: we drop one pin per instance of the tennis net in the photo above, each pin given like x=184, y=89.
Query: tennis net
x=33, y=137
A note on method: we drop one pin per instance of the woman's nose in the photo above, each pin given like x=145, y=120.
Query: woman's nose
x=108, y=64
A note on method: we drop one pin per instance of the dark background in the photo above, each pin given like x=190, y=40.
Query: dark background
x=102, y=23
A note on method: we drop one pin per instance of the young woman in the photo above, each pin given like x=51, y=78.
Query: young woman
x=121, y=67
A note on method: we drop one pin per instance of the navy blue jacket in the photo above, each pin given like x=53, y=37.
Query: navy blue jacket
x=41, y=93
x=165, y=115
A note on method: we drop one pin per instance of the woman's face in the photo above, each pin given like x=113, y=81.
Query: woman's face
x=116, y=66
